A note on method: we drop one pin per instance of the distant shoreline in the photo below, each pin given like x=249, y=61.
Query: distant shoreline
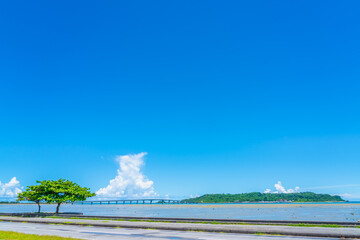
x=206, y=205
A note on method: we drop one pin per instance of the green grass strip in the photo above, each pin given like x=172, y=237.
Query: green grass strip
x=21, y=236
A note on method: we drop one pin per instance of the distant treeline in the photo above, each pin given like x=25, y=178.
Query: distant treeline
x=7, y=202
x=264, y=197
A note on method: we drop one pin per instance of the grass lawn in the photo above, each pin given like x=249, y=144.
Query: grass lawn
x=21, y=236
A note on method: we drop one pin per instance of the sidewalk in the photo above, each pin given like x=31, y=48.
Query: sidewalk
x=226, y=228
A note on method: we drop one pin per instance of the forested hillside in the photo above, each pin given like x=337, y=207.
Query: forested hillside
x=266, y=197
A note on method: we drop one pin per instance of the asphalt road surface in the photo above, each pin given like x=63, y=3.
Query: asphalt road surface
x=85, y=232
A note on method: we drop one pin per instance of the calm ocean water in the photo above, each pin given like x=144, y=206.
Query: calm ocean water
x=307, y=211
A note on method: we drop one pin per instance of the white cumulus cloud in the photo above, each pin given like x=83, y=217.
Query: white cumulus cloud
x=194, y=196
x=130, y=181
x=11, y=189
x=267, y=191
x=279, y=188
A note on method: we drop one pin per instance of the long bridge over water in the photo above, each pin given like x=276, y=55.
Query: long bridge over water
x=129, y=201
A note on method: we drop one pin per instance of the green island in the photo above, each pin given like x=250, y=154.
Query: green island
x=264, y=197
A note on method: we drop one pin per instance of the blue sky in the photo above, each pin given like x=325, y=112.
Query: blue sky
x=224, y=96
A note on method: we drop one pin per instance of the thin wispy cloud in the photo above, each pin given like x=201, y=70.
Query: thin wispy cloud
x=332, y=186
x=130, y=181
x=11, y=189
x=350, y=196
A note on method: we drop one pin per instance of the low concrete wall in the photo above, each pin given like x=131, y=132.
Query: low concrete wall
x=64, y=214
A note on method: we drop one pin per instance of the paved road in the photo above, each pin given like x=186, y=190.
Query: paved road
x=102, y=233
x=220, y=228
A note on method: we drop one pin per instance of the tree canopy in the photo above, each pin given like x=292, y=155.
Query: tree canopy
x=61, y=191
x=34, y=193
x=58, y=192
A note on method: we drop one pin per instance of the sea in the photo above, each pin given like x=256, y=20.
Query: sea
x=345, y=212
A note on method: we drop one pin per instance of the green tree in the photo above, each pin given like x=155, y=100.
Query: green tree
x=61, y=191
x=34, y=193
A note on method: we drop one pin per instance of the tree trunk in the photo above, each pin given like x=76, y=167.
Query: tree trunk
x=57, y=208
x=38, y=206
